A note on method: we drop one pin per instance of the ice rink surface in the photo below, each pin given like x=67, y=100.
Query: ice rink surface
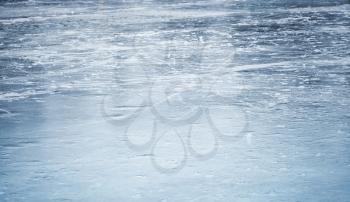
x=170, y=101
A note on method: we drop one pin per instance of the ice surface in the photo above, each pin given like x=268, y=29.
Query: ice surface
x=158, y=100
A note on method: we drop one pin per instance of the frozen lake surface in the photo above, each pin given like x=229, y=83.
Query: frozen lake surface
x=159, y=100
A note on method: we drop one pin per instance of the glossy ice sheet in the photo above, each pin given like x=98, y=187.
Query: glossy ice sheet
x=174, y=100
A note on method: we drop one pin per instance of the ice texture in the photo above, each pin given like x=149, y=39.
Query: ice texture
x=170, y=101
